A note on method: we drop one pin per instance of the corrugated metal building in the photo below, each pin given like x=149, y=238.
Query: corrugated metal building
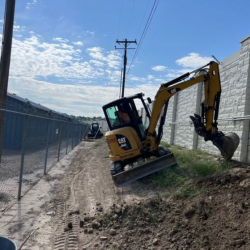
x=17, y=109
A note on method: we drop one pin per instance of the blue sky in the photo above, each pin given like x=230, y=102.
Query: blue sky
x=64, y=57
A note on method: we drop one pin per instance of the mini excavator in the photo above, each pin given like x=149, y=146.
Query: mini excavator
x=95, y=131
x=134, y=144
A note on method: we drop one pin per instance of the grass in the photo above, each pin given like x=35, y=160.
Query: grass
x=192, y=166
x=187, y=192
x=169, y=177
x=198, y=164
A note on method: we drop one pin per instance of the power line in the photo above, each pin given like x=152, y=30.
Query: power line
x=119, y=23
x=152, y=12
x=129, y=22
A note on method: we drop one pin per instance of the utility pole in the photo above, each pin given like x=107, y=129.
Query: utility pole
x=5, y=62
x=125, y=42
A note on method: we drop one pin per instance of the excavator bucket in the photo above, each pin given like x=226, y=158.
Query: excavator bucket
x=144, y=169
x=227, y=144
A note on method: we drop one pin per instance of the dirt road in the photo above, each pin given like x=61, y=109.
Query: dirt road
x=85, y=192
x=86, y=211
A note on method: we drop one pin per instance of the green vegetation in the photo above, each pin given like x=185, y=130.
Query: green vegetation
x=187, y=192
x=83, y=119
x=192, y=166
x=173, y=176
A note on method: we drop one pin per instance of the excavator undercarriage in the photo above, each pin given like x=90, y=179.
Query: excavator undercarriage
x=142, y=167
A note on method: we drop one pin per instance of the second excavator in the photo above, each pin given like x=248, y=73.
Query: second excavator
x=134, y=145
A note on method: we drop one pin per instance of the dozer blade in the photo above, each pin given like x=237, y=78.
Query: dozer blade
x=143, y=170
x=227, y=144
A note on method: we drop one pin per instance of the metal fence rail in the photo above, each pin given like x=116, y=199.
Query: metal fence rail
x=31, y=146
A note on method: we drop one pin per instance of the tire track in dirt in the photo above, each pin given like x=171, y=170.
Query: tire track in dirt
x=66, y=221
x=87, y=187
x=94, y=183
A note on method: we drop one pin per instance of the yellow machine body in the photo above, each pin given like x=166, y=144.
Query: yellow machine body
x=123, y=143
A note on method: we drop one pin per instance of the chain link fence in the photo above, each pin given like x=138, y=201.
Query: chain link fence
x=31, y=146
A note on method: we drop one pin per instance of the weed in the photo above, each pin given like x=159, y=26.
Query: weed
x=202, y=169
x=169, y=177
x=192, y=165
x=187, y=192
x=165, y=144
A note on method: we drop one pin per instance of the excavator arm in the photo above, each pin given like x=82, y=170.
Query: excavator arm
x=205, y=124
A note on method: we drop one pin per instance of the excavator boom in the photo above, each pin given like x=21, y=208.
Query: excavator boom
x=205, y=124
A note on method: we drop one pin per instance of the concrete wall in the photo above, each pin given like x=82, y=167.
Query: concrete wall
x=233, y=113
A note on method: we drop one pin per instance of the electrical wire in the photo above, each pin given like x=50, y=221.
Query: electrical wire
x=120, y=85
x=151, y=15
x=119, y=23
x=130, y=17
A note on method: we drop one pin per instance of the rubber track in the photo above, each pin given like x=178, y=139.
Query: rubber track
x=66, y=238
x=60, y=239
x=72, y=235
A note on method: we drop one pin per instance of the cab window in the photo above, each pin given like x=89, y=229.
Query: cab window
x=117, y=116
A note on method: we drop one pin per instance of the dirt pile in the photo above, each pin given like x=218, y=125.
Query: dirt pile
x=219, y=218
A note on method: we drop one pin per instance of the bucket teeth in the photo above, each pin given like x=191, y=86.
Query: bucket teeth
x=227, y=144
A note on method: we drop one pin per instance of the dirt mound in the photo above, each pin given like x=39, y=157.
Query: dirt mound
x=217, y=219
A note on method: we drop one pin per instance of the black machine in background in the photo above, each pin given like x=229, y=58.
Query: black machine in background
x=95, y=131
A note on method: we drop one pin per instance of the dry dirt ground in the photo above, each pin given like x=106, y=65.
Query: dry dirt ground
x=86, y=211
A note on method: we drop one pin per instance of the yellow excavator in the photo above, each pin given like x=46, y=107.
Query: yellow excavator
x=134, y=144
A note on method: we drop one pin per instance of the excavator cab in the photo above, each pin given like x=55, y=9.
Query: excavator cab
x=123, y=113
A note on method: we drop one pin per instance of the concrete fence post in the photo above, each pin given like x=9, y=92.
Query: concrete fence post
x=197, y=111
x=173, y=125
x=244, y=70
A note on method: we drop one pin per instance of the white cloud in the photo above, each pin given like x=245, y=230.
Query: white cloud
x=62, y=77
x=159, y=68
x=150, y=77
x=30, y=4
x=72, y=99
x=32, y=57
x=89, y=33
x=113, y=59
x=61, y=40
x=96, y=53
x=172, y=73
x=97, y=63
x=193, y=60
x=79, y=43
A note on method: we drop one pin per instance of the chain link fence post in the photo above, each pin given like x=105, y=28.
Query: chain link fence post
x=85, y=131
x=47, y=147
x=26, y=122
x=67, y=142
x=73, y=133
x=60, y=140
